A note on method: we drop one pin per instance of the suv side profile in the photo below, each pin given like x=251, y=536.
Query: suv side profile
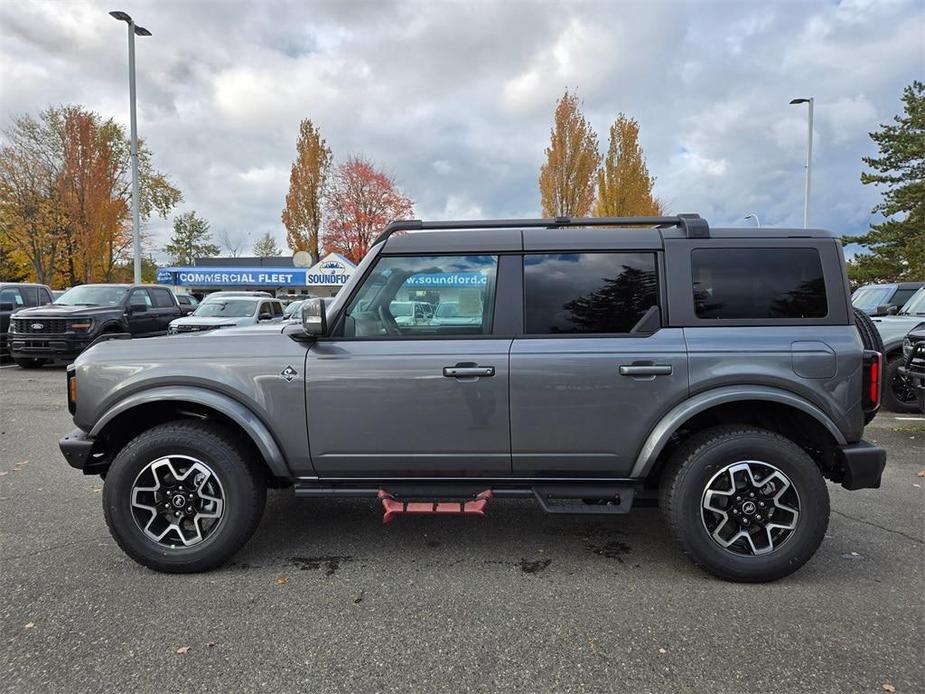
x=717, y=373
x=63, y=329
x=884, y=299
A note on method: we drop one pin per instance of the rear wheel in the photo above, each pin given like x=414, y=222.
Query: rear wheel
x=899, y=394
x=183, y=496
x=745, y=504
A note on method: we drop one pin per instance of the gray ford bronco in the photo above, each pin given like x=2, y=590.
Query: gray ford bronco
x=720, y=374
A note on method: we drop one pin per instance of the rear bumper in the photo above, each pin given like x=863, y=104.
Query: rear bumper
x=863, y=464
x=77, y=448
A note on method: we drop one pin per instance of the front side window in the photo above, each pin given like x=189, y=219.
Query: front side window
x=758, y=283
x=11, y=295
x=402, y=295
x=140, y=298
x=588, y=292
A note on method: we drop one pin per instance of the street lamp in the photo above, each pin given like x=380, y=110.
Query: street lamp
x=755, y=217
x=133, y=30
x=809, y=157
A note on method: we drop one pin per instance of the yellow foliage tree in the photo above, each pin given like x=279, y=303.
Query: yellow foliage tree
x=308, y=182
x=624, y=186
x=567, y=178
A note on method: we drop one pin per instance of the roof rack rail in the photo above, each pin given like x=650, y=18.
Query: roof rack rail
x=693, y=225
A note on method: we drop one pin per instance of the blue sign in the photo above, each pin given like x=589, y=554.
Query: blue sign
x=331, y=271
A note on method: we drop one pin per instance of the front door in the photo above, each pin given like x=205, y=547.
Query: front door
x=142, y=319
x=396, y=398
x=595, y=369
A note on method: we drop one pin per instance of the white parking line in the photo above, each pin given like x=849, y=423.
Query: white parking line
x=9, y=366
x=911, y=419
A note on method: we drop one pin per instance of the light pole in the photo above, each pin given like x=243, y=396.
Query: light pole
x=133, y=29
x=809, y=157
x=755, y=217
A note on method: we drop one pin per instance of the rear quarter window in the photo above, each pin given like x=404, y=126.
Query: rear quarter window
x=758, y=283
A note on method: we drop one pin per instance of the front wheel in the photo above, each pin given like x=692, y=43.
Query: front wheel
x=183, y=496
x=745, y=504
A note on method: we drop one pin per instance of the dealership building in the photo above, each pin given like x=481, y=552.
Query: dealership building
x=277, y=275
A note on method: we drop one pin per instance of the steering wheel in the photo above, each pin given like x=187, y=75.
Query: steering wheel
x=388, y=321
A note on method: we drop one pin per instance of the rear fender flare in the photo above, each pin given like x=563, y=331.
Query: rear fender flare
x=676, y=417
x=234, y=410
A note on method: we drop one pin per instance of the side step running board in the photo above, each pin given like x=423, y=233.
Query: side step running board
x=393, y=507
x=571, y=499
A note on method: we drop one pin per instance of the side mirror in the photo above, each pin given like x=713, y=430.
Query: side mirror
x=137, y=308
x=885, y=310
x=265, y=316
x=7, y=306
x=314, y=320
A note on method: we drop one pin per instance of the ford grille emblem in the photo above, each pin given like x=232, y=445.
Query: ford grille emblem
x=37, y=326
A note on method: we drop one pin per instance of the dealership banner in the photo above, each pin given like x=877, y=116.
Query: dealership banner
x=332, y=270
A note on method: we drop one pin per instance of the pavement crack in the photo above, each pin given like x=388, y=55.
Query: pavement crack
x=881, y=527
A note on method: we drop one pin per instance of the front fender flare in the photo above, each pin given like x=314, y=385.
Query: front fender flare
x=235, y=411
x=676, y=417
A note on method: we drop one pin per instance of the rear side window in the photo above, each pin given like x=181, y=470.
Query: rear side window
x=162, y=298
x=588, y=292
x=749, y=283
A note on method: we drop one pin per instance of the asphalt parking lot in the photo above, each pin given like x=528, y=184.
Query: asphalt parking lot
x=326, y=598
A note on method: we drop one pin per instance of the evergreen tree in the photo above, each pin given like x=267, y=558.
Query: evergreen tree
x=191, y=239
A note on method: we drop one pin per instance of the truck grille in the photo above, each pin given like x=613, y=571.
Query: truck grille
x=915, y=363
x=40, y=326
x=194, y=328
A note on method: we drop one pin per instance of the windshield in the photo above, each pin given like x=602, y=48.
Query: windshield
x=92, y=295
x=869, y=298
x=292, y=309
x=916, y=305
x=228, y=308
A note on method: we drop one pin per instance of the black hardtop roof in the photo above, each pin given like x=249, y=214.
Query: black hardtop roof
x=561, y=233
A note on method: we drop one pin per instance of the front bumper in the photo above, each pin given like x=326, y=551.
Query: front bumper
x=50, y=347
x=77, y=448
x=863, y=465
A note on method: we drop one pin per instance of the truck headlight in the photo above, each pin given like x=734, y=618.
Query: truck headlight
x=71, y=389
x=81, y=326
x=907, y=347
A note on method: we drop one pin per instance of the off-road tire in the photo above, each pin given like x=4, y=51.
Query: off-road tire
x=695, y=463
x=224, y=451
x=890, y=399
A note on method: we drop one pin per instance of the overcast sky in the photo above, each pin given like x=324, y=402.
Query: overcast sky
x=455, y=99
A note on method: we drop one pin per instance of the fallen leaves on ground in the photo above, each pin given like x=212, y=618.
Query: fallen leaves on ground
x=281, y=581
x=183, y=650
x=662, y=651
x=887, y=687
x=29, y=625
x=210, y=644
x=920, y=473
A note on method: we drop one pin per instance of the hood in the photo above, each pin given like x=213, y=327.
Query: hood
x=894, y=328
x=60, y=311
x=207, y=320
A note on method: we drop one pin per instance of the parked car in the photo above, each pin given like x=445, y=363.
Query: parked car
x=884, y=299
x=187, y=302
x=411, y=312
x=449, y=313
x=914, y=363
x=228, y=312
x=63, y=329
x=15, y=296
x=898, y=394
x=719, y=373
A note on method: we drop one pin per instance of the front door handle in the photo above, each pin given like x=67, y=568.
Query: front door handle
x=645, y=370
x=468, y=371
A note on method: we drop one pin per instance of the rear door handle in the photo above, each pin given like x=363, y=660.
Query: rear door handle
x=645, y=370
x=468, y=371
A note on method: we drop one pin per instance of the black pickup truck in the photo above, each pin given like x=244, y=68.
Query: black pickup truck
x=62, y=330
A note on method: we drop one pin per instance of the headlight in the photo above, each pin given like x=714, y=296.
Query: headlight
x=907, y=347
x=81, y=326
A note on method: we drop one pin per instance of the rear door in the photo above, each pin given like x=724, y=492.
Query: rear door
x=594, y=369
x=165, y=308
x=390, y=399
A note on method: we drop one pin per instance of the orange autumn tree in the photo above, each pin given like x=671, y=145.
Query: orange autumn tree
x=567, y=177
x=308, y=184
x=361, y=201
x=624, y=185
